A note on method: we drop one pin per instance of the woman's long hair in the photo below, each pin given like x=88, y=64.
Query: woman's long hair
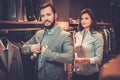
x=90, y=12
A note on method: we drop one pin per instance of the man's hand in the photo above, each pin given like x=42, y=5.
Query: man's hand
x=35, y=48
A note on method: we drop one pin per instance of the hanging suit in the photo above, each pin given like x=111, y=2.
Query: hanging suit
x=11, y=67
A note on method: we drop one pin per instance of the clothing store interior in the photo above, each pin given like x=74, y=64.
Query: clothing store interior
x=19, y=21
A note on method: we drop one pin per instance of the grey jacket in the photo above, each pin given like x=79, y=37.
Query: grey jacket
x=93, y=49
x=59, y=51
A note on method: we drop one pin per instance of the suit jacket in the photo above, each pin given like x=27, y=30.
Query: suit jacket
x=11, y=70
x=59, y=51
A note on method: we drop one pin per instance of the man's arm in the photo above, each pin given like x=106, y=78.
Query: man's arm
x=26, y=48
x=67, y=56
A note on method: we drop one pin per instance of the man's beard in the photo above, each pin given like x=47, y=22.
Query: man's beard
x=50, y=26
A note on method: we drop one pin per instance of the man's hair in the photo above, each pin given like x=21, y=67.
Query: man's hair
x=48, y=5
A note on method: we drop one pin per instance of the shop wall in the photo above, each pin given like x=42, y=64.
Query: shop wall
x=62, y=8
x=101, y=8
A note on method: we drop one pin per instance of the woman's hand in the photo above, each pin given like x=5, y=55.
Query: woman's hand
x=79, y=61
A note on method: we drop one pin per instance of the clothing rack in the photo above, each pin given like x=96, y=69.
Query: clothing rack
x=109, y=36
x=74, y=26
x=19, y=32
x=9, y=25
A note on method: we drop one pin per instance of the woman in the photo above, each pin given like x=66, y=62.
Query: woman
x=88, y=48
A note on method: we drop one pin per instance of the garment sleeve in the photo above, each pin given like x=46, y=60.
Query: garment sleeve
x=98, y=50
x=67, y=54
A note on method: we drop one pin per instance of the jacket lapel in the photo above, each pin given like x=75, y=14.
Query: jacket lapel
x=54, y=37
x=10, y=55
x=2, y=55
x=39, y=39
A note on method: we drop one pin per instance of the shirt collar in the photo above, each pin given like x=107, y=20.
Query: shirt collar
x=51, y=31
x=2, y=45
